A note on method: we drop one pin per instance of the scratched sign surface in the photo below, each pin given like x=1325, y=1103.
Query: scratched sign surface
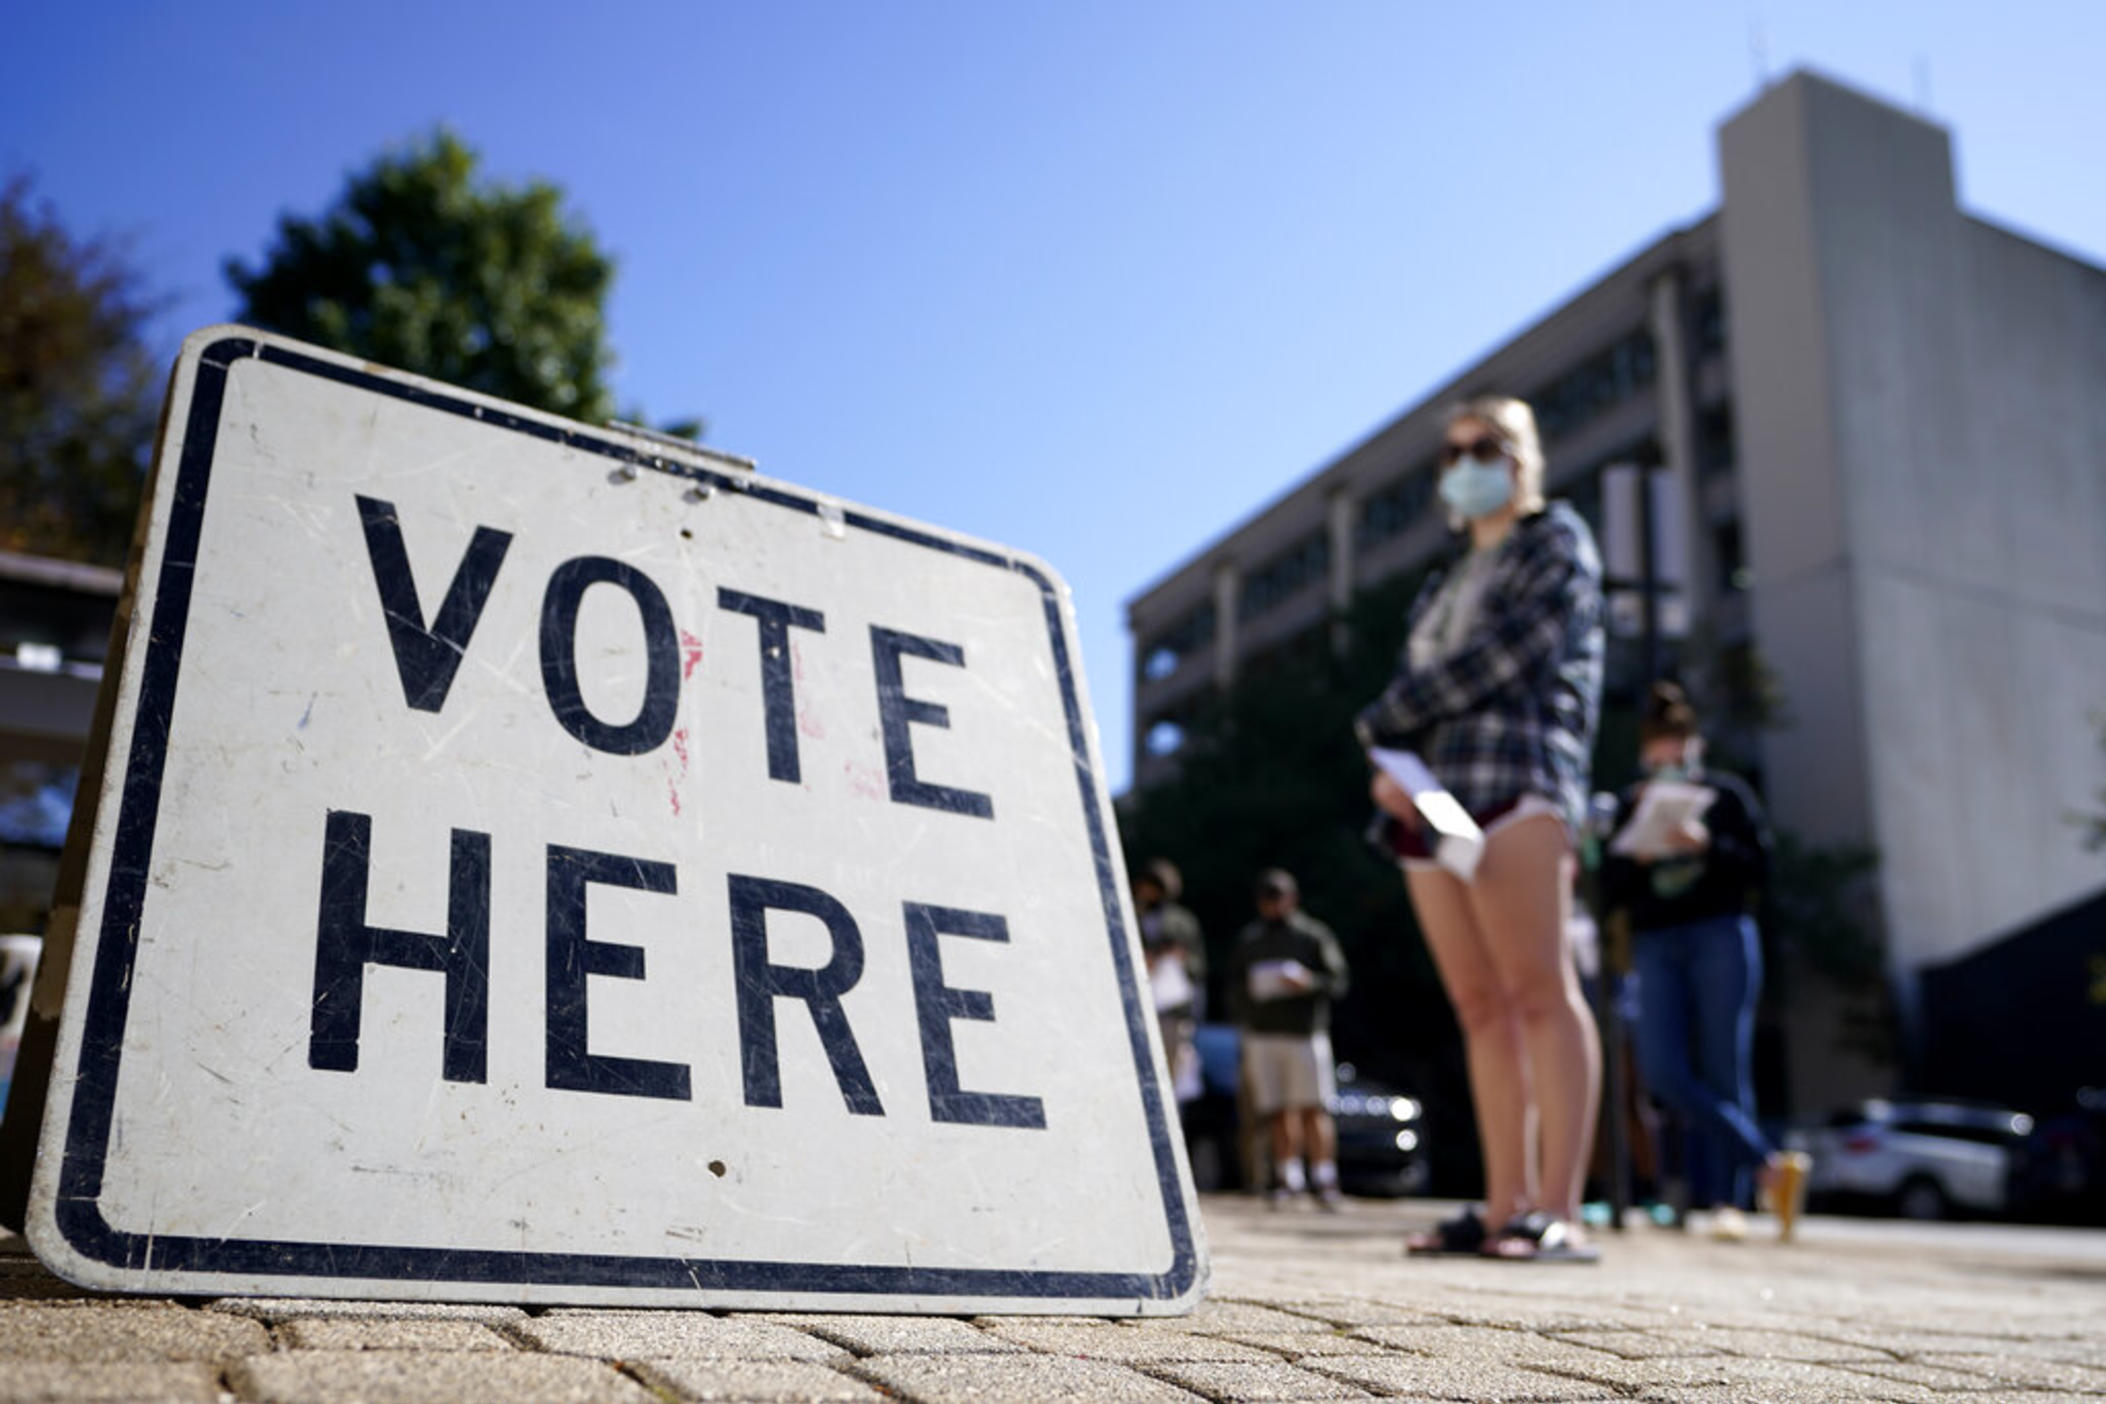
x=531, y=869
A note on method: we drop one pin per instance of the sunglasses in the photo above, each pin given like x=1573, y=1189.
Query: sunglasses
x=1488, y=446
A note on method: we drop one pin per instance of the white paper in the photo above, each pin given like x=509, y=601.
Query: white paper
x=1458, y=843
x=1169, y=983
x=1407, y=770
x=1663, y=808
x=1279, y=979
x=1187, y=1077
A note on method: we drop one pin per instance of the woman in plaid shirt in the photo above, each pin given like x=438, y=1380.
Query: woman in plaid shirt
x=1498, y=690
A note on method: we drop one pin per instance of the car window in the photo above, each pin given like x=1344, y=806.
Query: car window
x=1974, y=1135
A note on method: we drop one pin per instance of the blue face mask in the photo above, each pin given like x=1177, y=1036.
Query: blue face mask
x=1474, y=488
x=1690, y=767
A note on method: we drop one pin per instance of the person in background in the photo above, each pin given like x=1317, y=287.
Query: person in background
x=1286, y=970
x=1498, y=690
x=1176, y=951
x=1698, y=958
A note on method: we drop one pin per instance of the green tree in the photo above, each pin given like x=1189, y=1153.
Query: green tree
x=1269, y=773
x=78, y=389
x=423, y=265
x=1821, y=904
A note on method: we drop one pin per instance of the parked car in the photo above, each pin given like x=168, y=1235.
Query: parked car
x=1381, y=1145
x=2058, y=1174
x=1919, y=1159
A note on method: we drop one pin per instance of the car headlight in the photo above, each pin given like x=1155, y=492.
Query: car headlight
x=1403, y=1109
x=1407, y=1140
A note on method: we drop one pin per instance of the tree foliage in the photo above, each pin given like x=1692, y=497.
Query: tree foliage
x=1269, y=774
x=423, y=265
x=1821, y=903
x=78, y=389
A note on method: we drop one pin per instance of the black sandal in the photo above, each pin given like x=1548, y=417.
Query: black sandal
x=1538, y=1237
x=1464, y=1234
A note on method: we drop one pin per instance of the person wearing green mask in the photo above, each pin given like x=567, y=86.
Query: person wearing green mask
x=1498, y=690
x=1698, y=958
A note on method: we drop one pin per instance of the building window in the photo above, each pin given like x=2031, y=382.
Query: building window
x=1714, y=439
x=1397, y=507
x=1583, y=489
x=1298, y=652
x=1732, y=559
x=1285, y=575
x=1180, y=641
x=1599, y=383
x=1707, y=321
x=1584, y=493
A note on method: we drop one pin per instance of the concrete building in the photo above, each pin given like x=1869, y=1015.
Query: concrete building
x=1845, y=423
x=54, y=631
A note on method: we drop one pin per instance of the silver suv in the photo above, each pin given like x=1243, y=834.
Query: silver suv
x=1921, y=1159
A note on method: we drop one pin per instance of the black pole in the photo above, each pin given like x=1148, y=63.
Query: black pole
x=1648, y=578
x=1614, y=1096
x=1615, y=1076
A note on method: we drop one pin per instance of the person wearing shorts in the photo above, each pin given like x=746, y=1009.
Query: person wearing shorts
x=1286, y=971
x=1498, y=690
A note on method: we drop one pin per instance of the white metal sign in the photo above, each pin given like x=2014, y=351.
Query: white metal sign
x=531, y=867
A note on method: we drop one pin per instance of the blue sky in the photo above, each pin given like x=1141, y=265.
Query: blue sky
x=1095, y=278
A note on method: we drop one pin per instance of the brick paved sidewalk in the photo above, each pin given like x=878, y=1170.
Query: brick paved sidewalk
x=1304, y=1307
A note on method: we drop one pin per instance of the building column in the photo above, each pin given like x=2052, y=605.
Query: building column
x=1340, y=510
x=1228, y=588
x=1678, y=449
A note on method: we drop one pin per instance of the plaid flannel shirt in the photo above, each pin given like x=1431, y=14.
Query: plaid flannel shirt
x=1511, y=710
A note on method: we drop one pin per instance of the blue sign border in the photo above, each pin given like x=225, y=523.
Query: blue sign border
x=78, y=1210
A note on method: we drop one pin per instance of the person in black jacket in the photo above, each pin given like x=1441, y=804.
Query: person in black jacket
x=1286, y=971
x=1699, y=961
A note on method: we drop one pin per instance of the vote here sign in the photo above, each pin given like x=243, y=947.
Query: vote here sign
x=535, y=866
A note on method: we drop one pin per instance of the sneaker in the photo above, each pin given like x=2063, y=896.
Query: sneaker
x=1281, y=1197
x=1729, y=1225
x=1329, y=1199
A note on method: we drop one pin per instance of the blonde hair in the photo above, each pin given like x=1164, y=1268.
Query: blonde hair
x=1515, y=425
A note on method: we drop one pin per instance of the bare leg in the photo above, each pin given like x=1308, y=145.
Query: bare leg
x=1491, y=1036
x=1319, y=1135
x=1286, y=1145
x=1521, y=897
